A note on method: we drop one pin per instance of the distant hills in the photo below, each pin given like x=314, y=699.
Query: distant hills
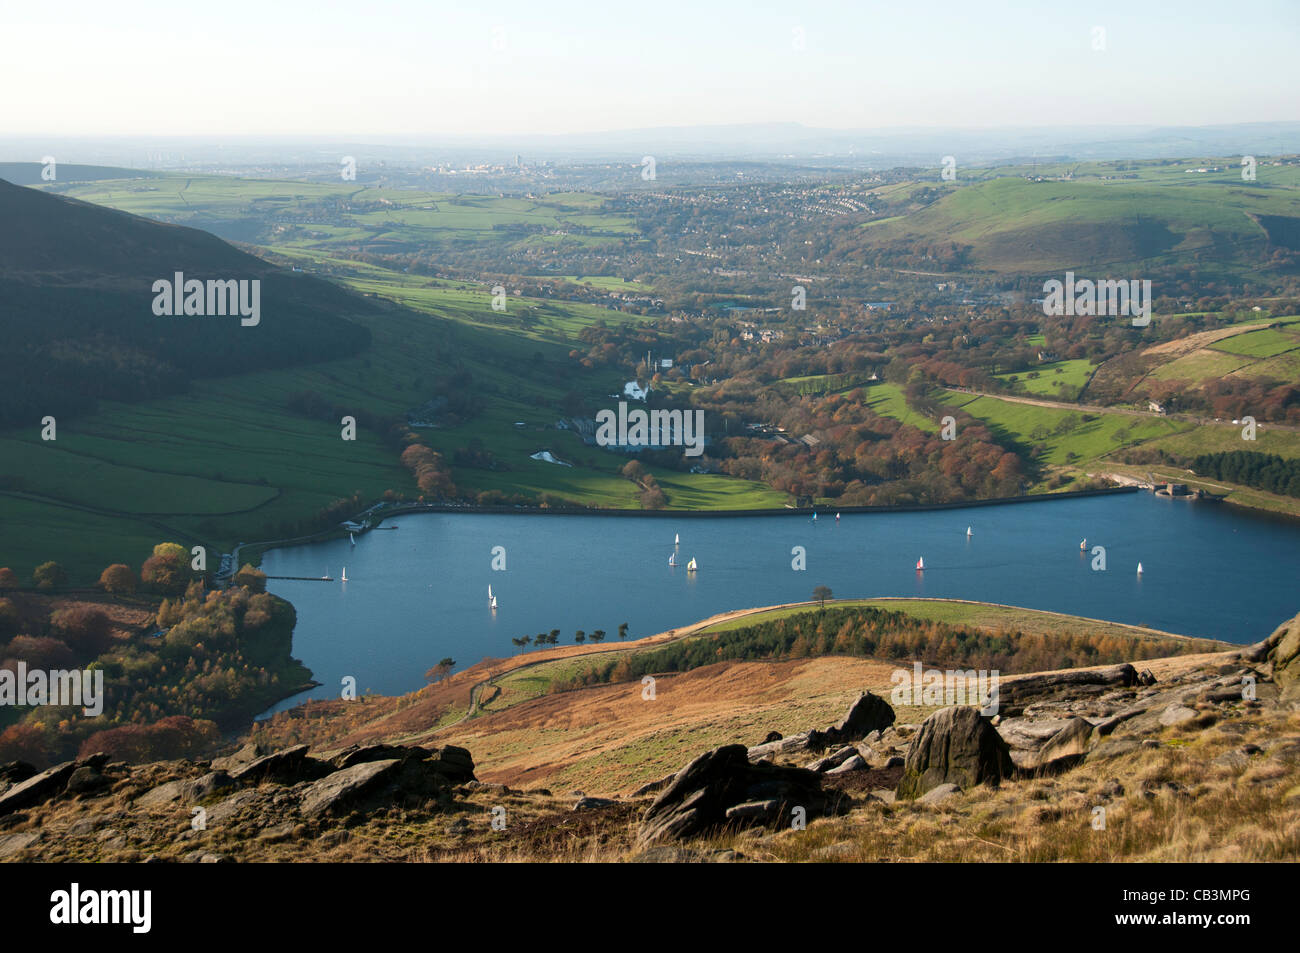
x=779, y=141
x=77, y=315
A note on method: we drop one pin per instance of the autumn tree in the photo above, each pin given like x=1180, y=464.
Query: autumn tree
x=251, y=578
x=441, y=670
x=86, y=630
x=117, y=578
x=48, y=575
x=167, y=569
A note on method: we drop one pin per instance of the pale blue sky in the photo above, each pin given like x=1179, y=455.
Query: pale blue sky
x=86, y=67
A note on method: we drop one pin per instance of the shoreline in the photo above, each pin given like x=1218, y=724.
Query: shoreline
x=404, y=509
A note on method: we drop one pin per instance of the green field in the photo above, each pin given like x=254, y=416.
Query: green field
x=1087, y=440
x=1269, y=342
x=888, y=401
x=1060, y=380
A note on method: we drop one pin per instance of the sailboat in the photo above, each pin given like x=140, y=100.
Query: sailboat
x=969, y=534
x=837, y=517
x=814, y=517
x=492, y=600
x=1139, y=569
x=690, y=566
x=345, y=574
x=677, y=539
x=1084, y=543
x=920, y=564
x=352, y=538
x=672, y=559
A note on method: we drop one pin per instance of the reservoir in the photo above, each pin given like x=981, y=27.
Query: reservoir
x=420, y=593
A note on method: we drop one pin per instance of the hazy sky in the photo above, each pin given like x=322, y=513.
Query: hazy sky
x=419, y=67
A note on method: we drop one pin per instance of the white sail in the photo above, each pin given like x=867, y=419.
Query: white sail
x=691, y=566
x=968, y=531
x=677, y=539
x=345, y=573
x=920, y=563
x=1084, y=543
x=672, y=559
x=1139, y=569
x=352, y=538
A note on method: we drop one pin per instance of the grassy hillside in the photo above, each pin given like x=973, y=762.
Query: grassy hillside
x=1014, y=225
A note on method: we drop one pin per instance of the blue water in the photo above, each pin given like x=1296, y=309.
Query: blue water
x=419, y=593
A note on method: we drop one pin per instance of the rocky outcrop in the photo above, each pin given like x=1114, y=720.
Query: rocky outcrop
x=721, y=789
x=955, y=745
x=868, y=713
x=53, y=782
x=1281, y=654
x=1015, y=695
x=285, y=766
x=337, y=791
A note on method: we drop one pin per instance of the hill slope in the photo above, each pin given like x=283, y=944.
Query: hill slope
x=1013, y=225
x=76, y=284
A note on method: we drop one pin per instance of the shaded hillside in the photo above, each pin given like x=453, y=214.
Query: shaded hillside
x=78, y=321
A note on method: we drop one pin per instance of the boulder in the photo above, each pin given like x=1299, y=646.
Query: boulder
x=855, y=763
x=244, y=756
x=1014, y=695
x=342, y=788
x=1282, y=651
x=699, y=797
x=954, y=745
x=1177, y=715
x=868, y=713
x=288, y=766
x=1065, y=749
x=937, y=795
x=199, y=789
x=359, y=754
x=38, y=788
x=453, y=763
x=833, y=760
x=87, y=780
x=593, y=803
